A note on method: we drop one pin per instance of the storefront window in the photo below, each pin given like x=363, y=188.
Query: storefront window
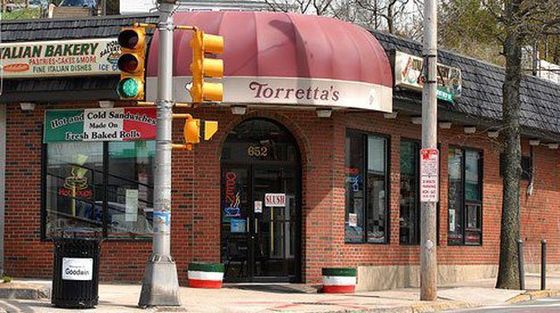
x=409, y=201
x=366, y=188
x=104, y=187
x=465, y=197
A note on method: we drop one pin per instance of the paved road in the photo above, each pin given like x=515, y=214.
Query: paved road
x=547, y=305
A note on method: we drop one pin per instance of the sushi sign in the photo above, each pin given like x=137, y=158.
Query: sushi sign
x=83, y=57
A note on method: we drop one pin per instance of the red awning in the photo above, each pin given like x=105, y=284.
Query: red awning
x=274, y=50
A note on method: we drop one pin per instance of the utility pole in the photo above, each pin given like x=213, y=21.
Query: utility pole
x=428, y=255
x=160, y=285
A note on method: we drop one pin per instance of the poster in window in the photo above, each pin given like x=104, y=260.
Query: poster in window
x=452, y=220
x=131, y=205
x=352, y=219
x=238, y=225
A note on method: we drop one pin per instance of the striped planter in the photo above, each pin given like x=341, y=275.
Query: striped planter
x=339, y=280
x=206, y=275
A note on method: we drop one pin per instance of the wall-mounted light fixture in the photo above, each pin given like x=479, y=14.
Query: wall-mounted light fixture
x=416, y=120
x=469, y=129
x=493, y=133
x=238, y=109
x=324, y=113
x=553, y=145
x=534, y=142
x=390, y=116
x=106, y=104
x=27, y=106
x=444, y=125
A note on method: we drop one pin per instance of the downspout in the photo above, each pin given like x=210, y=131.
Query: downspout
x=2, y=182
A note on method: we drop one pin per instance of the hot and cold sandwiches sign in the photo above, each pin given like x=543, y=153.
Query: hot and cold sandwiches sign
x=116, y=124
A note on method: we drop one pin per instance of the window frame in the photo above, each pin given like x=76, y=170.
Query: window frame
x=418, y=145
x=464, y=201
x=104, y=196
x=387, y=181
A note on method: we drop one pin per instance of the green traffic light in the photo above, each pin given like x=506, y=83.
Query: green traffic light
x=128, y=88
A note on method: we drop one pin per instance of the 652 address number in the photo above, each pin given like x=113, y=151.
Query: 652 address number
x=257, y=151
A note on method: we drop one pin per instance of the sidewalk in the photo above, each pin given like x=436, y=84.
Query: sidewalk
x=250, y=298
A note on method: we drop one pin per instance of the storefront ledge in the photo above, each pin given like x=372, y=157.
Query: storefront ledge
x=23, y=291
x=533, y=295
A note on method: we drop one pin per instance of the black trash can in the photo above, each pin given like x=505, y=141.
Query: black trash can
x=75, y=271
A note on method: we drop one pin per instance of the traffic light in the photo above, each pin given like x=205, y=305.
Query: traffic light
x=131, y=63
x=202, y=67
x=195, y=129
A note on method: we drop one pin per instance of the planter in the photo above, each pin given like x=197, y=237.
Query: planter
x=339, y=280
x=206, y=275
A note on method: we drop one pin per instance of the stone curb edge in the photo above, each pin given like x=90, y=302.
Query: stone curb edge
x=533, y=295
x=24, y=293
x=418, y=307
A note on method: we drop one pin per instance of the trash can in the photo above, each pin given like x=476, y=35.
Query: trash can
x=75, y=270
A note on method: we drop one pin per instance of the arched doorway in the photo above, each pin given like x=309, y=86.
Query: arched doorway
x=261, y=203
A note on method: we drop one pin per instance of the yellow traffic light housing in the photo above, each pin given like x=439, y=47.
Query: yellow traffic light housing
x=195, y=130
x=202, y=67
x=131, y=63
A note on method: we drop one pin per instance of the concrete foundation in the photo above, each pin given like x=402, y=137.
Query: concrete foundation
x=408, y=276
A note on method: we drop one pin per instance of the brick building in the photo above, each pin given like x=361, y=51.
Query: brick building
x=289, y=184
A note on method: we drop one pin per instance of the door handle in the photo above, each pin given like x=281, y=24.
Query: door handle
x=256, y=226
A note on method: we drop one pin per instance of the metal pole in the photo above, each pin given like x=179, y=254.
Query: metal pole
x=428, y=256
x=543, y=264
x=160, y=285
x=520, y=264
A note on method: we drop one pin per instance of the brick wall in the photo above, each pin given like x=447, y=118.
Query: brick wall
x=196, y=197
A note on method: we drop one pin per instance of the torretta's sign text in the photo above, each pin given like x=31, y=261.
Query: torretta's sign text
x=291, y=91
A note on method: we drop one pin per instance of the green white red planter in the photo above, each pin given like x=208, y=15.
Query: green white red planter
x=339, y=280
x=206, y=275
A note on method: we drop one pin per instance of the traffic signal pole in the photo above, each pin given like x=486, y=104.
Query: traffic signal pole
x=160, y=285
x=428, y=256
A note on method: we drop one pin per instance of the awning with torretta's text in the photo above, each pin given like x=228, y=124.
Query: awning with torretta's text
x=285, y=59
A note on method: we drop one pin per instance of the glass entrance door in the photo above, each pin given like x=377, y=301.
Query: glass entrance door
x=260, y=213
x=259, y=223
x=274, y=219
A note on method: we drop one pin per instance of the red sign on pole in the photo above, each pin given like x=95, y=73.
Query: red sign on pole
x=429, y=175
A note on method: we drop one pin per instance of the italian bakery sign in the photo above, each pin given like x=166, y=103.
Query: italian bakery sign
x=117, y=124
x=60, y=58
x=409, y=74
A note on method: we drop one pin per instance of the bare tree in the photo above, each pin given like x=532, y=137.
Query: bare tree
x=318, y=7
x=521, y=20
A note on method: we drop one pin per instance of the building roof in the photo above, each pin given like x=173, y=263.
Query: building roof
x=480, y=101
x=481, y=97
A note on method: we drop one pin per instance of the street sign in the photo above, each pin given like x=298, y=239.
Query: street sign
x=429, y=175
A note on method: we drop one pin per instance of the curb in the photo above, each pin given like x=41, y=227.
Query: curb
x=435, y=306
x=24, y=291
x=533, y=295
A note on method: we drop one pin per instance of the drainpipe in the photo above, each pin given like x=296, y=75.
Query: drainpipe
x=2, y=181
